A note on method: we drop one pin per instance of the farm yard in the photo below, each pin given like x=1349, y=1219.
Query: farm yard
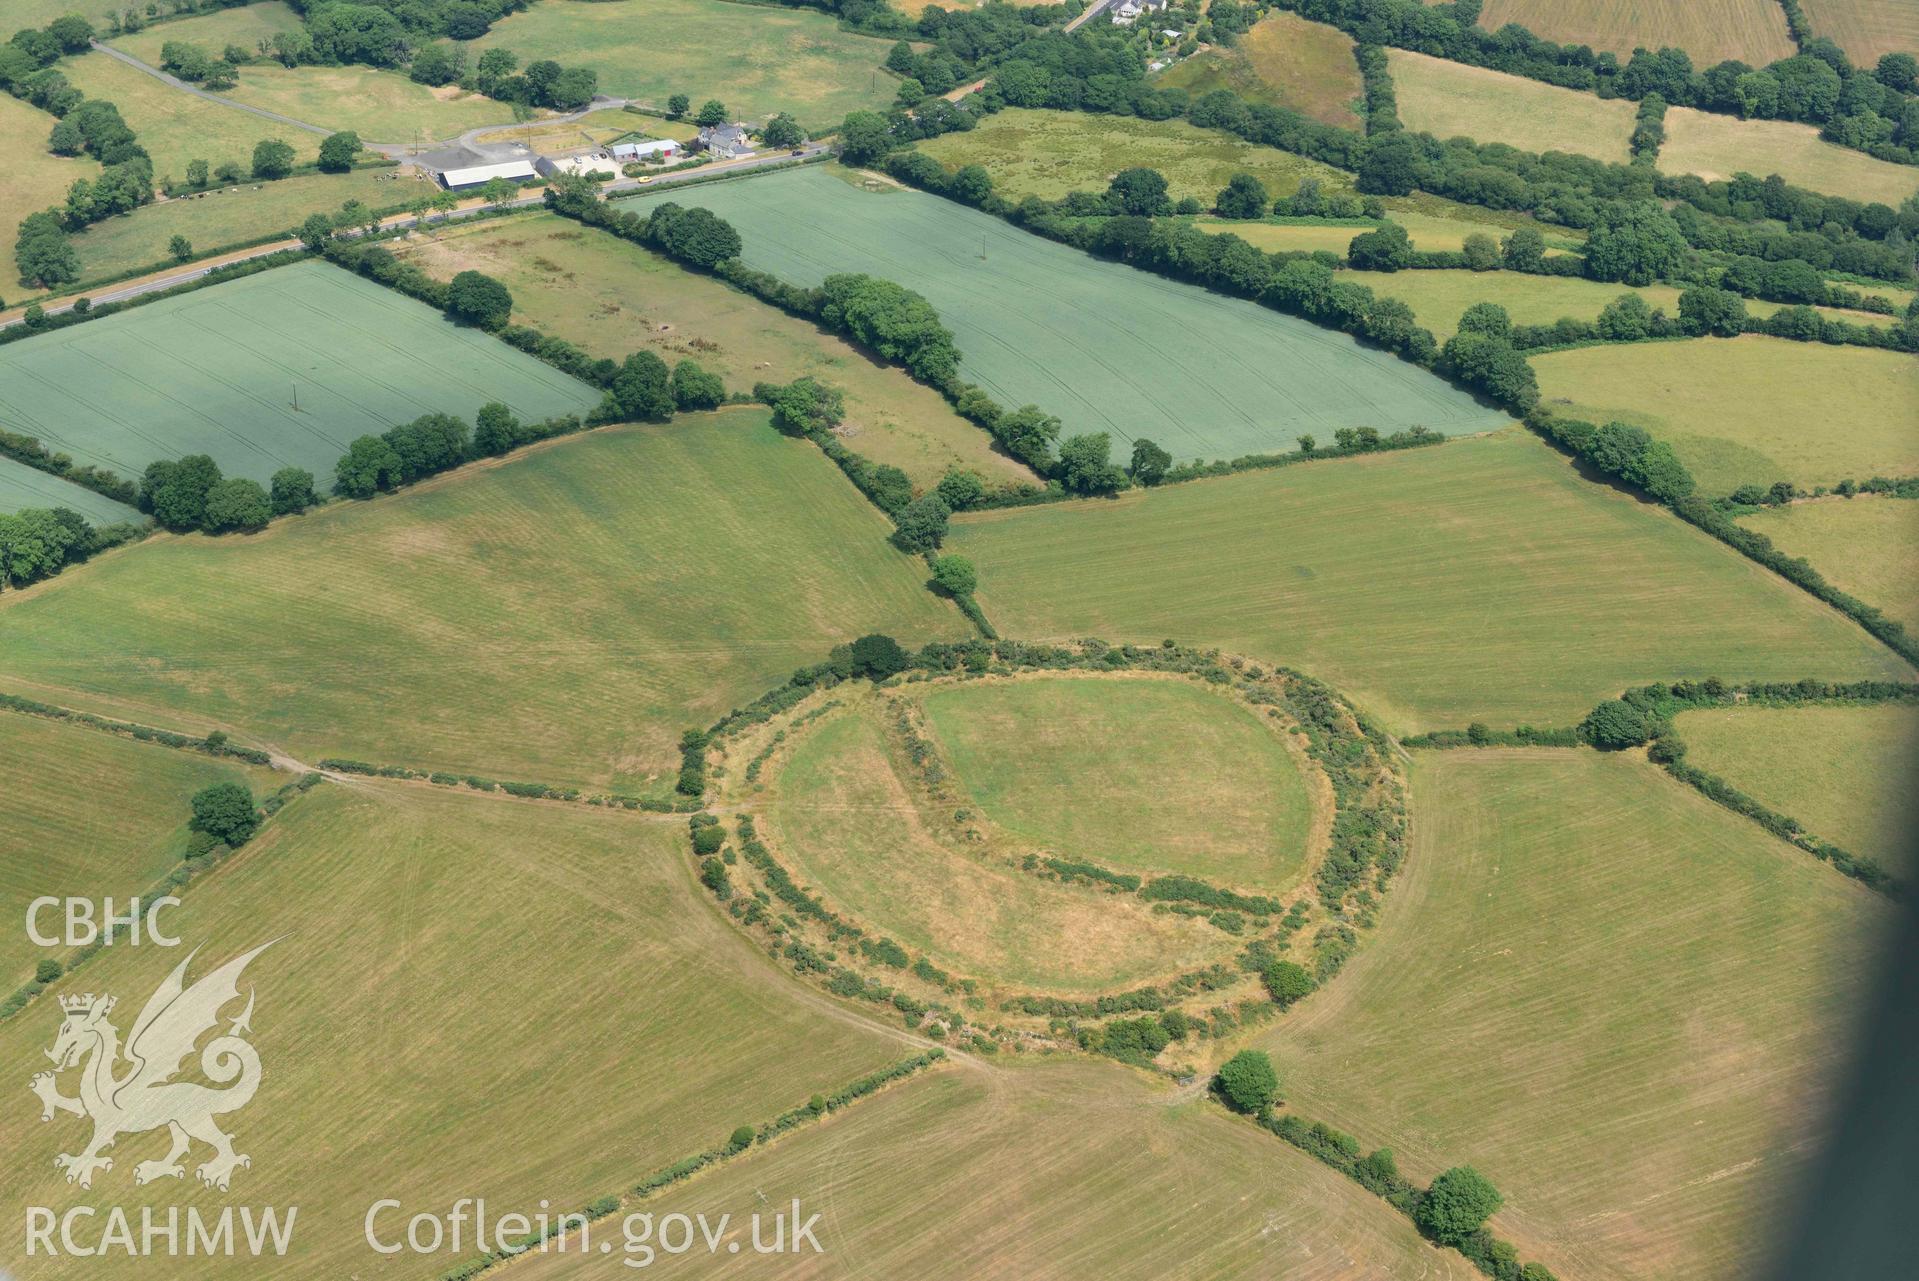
x=1367, y=572
x=1715, y=146
x=221, y=372
x=1866, y=29
x=1540, y=886
x=378, y=1016
x=1710, y=31
x=681, y=600
x=775, y=60
x=1807, y=762
x=1102, y=346
x=1750, y=410
x=1284, y=60
x=612, y=296
x=1451, y=100
x=1869, y=547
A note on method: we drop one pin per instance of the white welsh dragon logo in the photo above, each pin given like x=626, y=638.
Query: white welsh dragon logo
x=143, y=1096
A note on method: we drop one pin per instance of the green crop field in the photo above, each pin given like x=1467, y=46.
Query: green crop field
x=1753, y=31
x=1141, y=775
x=760, y=62
x=36, y=178
x=643, y=579
x=1868, y=547
x=1866, y=29
x=1621, y=1003
x=1284, y=60
x=1103, y=346
x=1050, y=1169
x=1843, y=772
x=24, y=486
x=218, y=371
x=234, y=215
x=1751, y=410
x=178, y=127
x=90, y=814
x=1049, y=153
x=1716, y=146
x=469, y=997
x=1478, y=580
x=381, y=106
x=1450, y=100
x=613, y=297
x=844, y=818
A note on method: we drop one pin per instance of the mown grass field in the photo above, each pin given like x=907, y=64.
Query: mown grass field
x=1843, y=772
x=1429, y=231
x=178, y=127
x=1450, y=99
x=1751, y=409
x=1479, y=580
x=36, y=178
x=1869, y=547
x=1104, y=347
x=218, y=371
x=1285, y=60
x=233, y=215
x=1716, y=146
x=381, y=106
x=1046, y=1169
x=845, y=822
x=1620, y=1002
x=1753, y=31
x=758, y=63
x=560, y=616
x=1866, y=29
x=1140, y=775
x=533, y=997
x=1049, y=153
x=89, y=814
x=24, y=486
x=613, y=297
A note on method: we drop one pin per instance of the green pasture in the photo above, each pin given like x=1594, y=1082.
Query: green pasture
x=219, y=371
x=1140, y=775
x=1867, y=546
x=24, y=486
x=1103, y=346
x=1623, y=1004
x=560, y=616
x=1476, y=580
x=468, y=997
x=177, y=127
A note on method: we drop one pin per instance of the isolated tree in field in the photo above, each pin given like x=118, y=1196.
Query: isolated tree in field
x=339, y=151
x=695, y=388
x=225, y=812
x=865, y=136
x=1139, y=191
x=921, y=524
x=1385, y=248
x=495, y=429
x=960, y=489
x=368, y=466
x=1247, y=1083
x=1287, y=982
x=712, y=112
x=292, y=491
x=1085, y=465
x=783, y=131
x=1614, y=725
x=475, y=298
x=877, y=656
x=1524, y=250
x=196, y=173
x=236, y=505
x=1459, y=1201
x=678, y=105
x=955, y=573
x=316, y=231
x=1244, y=196
x=642, y=390
x=175, y=492
x=181, y=248
x=272, y=159
x=806, y=405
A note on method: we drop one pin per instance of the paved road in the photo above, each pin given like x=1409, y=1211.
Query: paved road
x=623, y=186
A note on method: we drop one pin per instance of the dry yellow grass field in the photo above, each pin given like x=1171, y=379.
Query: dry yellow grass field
x=1450, y=99
x=1715, y=146
x=1285, y=60
x=1868, y=546
x=1865, y=29
x=1753, y=31
x=36, y=179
